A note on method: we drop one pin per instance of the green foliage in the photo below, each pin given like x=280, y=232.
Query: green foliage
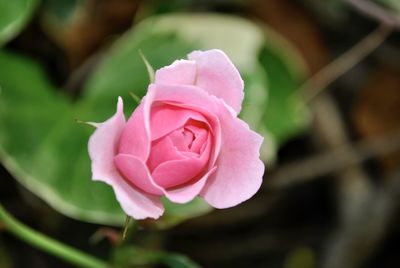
x=13, y=17
x=46, y=150
x=285, y=114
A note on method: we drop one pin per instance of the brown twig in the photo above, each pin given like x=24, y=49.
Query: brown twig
x=373, y=10
x=333, y=161
x=318, y=82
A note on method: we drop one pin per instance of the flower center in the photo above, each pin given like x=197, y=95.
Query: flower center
x=190, y=139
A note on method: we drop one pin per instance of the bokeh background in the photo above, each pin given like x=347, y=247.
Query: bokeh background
x=322, y=84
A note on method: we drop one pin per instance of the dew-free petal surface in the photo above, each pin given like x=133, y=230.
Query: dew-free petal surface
x=217, y=75
x=166, y=118
x=178, y=172
x=186, y=193
x=136, y=172
x=135, y=203
x=135, y=137
x=103, y=144
x=194, y=98
x=162, y=150
x=240, y=170
x=180, y=72
x=102, y=149
x=190, y=97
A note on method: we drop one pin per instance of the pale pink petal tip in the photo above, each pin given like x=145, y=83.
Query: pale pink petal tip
x=180, y=72
x=217, y=75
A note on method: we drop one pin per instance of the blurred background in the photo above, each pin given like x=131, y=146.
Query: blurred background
x=322, y=84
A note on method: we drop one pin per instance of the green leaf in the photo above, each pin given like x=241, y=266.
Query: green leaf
x=14, y=15
x=44, y=148
x=132, y=256
x=122, y=71
x=286, y=114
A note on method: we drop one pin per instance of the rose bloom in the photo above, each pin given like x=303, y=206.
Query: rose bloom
x=183, y=140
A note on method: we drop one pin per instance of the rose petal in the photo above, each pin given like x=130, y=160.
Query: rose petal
x=135, y=138
x=134, y=203
x=102, y=147
x=217, y=75
x=181, y=72
x=191, y=97
x=177, y=172
x=167, y=118
x=187, y=193
x=179, y=140
x=136, y=172
x=162, y=150
x=240, y=170
x=200, y=137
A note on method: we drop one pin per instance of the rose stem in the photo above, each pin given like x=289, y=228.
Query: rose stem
x=48, y=244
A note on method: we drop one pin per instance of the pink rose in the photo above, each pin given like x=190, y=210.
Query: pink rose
x=183, y=140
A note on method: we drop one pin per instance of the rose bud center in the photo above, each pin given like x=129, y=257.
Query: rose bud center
x=181, y=155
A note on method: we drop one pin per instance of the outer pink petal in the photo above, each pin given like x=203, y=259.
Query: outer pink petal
x=102, y=149
x=135, y=203
x=135, y=138
x=181, y=72
x=218, y=76
x=184, y=96
x=182, y=195
x=187, y=193
x=136, y=172
x=103, y=144
x=239, y=169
